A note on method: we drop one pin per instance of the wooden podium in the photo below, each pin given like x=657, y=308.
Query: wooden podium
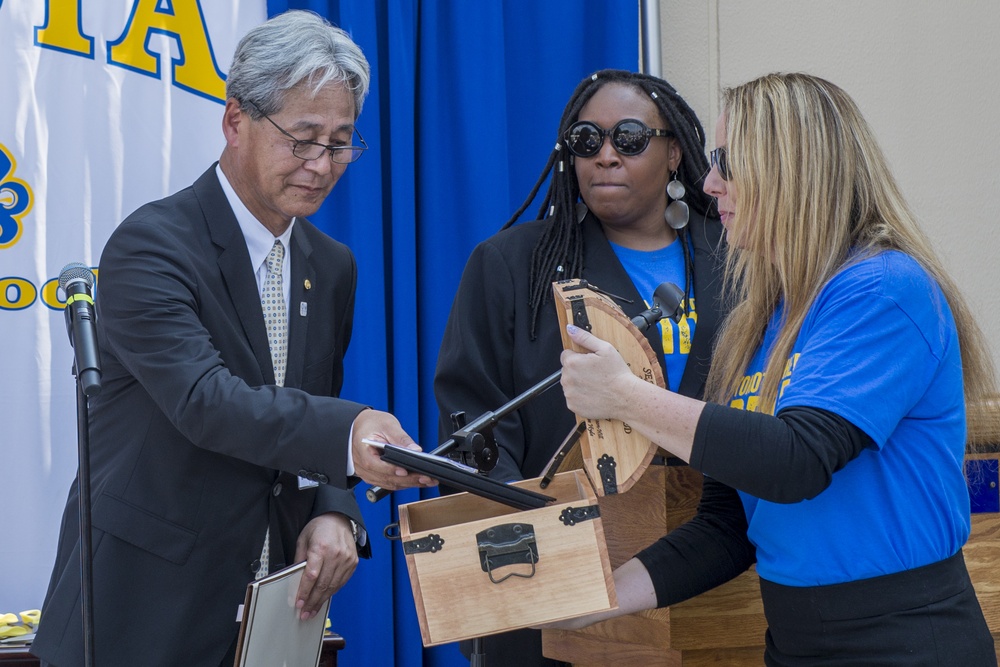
x=725, y=626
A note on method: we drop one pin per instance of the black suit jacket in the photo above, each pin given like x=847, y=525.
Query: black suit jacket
x=487, y=356
x=194, y=451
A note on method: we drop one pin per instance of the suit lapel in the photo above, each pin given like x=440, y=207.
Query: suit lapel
x=709, y=256
x=602, y=268
x=300, y=304
x=234, y=265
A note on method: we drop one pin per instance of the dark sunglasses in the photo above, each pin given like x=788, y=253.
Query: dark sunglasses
x=717, y=158
x=629, y=137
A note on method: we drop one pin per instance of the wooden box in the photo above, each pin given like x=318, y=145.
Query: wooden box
x=563, y=569
x=478, y=567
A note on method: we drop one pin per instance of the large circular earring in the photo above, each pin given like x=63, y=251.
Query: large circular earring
x=677, y=213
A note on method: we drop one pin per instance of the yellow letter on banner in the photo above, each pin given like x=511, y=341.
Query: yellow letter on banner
x=194, y=69
x=62, y=30
x=16, y=293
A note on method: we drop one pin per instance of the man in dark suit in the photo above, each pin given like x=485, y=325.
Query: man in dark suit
x=219, y=448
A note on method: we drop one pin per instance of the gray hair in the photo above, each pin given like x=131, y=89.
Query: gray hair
x=293, y=48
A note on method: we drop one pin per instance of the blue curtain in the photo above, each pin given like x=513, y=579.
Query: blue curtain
x=462, y=115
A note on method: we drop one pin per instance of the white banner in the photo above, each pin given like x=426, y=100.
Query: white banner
x=105, y=105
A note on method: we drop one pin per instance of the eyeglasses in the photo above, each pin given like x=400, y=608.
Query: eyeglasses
x=312, y=150
x=718, y=158
x=629, y=137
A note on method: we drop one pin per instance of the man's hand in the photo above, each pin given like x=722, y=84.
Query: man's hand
x=368, y=464
x=327, y=545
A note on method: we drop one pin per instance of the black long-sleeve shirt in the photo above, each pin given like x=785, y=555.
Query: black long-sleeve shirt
x=785, y=458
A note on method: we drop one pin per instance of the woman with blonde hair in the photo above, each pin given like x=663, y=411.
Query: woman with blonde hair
x=833, y=442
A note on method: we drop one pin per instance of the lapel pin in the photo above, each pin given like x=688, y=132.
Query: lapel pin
x=308, y=285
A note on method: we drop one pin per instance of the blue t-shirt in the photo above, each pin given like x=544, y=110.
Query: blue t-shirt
x=647, y=269
x=879, y=347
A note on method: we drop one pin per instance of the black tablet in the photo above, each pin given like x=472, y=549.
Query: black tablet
x=463, y=478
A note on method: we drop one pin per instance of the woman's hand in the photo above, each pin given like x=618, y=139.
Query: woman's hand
x=598, y=384
x=634, y=590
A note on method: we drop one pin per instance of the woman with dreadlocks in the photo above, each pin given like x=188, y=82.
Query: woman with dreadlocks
x=838, y=409
x=625, y=211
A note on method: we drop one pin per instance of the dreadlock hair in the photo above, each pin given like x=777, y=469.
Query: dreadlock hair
x=558, y=255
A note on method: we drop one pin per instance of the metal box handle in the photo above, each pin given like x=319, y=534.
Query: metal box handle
x=507, y=544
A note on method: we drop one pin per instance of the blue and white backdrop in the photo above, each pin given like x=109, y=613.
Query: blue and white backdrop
x=107, y=104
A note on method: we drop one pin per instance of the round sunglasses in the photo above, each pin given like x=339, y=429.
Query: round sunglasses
x=629, y=137
x=719, y=158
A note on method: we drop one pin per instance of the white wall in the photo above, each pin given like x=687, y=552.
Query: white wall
x=925, y=73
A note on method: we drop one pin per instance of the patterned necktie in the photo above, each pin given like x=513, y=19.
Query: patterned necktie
x=272, y=302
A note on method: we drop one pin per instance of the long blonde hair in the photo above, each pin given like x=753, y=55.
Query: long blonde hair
x=813, y=193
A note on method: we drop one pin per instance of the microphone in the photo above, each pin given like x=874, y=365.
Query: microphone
x=77, y=281
x=667, y=300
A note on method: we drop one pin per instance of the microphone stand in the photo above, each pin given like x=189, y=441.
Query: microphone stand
x=86, y=552
x=477, y=658
x=483, y=446
x=668, y=300
x=76, y=280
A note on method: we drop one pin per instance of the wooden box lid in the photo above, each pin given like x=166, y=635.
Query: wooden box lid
x=614, y=455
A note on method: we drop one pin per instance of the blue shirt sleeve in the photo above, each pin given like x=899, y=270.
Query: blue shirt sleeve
x=874, y=338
